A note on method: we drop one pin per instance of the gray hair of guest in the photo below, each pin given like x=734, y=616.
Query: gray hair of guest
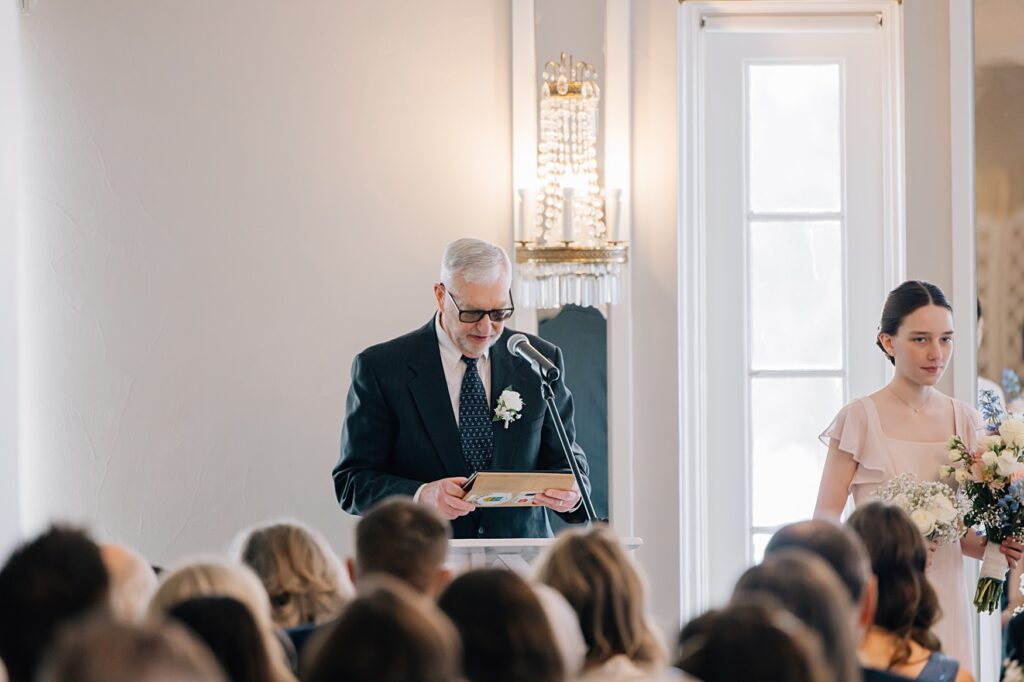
x=475, y=260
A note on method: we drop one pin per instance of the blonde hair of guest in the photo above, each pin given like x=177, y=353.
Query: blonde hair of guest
x=210, y=576
x=301, y=574
x=592, y=571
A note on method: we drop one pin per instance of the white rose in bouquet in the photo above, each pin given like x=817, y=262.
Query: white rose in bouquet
x=1007, y=465
x=989, y=458
x=942, y=508
x=990, y=442
x=933, y=506
x=1012, y=432
x=924, y=520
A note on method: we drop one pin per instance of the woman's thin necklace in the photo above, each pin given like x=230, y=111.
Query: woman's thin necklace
x=915, y=409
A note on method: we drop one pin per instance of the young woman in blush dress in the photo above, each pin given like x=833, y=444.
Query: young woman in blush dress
x=904, y=428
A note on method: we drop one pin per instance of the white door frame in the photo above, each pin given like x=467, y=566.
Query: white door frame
x=695, y=527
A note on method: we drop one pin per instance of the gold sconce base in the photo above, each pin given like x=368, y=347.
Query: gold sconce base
x=565, y=253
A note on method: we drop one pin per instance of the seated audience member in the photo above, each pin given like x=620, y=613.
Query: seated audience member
x=843, y=550
x=104, y=650
x=132, y=582
x=901, y=640
x=389, y=633
x=228, y=629
x=213, y=576
x=47, y=582
x=753, y=638
x=301, y=574
x=591, y=570
x=506, y=635
x=406, y=540
x=1013, y=643
x=566, y=625
x=805, y=586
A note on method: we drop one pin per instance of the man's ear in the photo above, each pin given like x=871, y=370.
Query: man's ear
x=350, y=566
x=439, y=295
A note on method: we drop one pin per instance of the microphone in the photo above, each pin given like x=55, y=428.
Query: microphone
x=519, y=345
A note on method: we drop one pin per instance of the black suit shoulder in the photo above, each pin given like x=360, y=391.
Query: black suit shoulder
x=546, y=347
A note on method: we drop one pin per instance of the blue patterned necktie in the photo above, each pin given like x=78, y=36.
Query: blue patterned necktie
x=475, y=429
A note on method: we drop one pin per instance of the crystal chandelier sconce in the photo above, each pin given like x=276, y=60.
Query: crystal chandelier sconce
x=567, y=246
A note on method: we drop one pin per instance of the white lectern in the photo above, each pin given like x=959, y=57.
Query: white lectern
x=514, y=553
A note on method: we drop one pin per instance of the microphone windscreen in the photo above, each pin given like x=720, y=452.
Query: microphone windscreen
x=514, y=341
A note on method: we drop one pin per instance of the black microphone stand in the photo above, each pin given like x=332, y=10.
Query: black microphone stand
x=549, y=397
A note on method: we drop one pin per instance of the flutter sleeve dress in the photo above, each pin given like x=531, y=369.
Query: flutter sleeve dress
x=880, y=458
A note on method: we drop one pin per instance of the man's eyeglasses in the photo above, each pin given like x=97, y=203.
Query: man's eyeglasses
x=474, y=316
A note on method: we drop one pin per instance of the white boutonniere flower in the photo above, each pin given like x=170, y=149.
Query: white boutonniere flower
x=510, y=406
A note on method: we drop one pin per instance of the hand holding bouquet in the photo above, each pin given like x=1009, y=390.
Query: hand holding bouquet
x=990, y=478
x=933, y=506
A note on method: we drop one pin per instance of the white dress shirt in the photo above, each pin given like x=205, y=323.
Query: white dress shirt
x=455, y=368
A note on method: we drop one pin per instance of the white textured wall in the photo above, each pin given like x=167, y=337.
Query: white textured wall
x=225, y=201
x=10, y=102
x=929, y=166
x=654, y=255
x=929, y=207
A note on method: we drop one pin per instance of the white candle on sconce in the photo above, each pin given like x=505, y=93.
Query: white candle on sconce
x=524, y=216
x=612, y=204
x=568, y=227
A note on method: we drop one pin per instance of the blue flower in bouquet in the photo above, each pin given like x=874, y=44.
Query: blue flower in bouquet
x=1011, y=384
x=991, y=410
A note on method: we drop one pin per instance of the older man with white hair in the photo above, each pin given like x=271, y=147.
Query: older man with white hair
x=421, y=408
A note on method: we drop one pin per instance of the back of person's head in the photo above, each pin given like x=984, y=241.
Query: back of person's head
x=907, y=603
x=47, y=582
x=752, y=639
x=840, y=547
x=566, y=625
x=132, y=582
x=807, y=587
x=505, y=633
x=301, y=574
x=216, y=576
x=229, y=630
x=388, y=633
x=1013, y=639
x=406, y=540
x=110, y=651
x=591, y=570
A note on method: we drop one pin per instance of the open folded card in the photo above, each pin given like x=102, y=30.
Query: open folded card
x=513, y=488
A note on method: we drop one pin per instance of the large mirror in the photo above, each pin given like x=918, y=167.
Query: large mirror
x=577, y=27
x=999, y=144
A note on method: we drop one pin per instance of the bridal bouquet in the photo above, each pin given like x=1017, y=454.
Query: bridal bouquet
x=933, y=506
x=991, y=479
